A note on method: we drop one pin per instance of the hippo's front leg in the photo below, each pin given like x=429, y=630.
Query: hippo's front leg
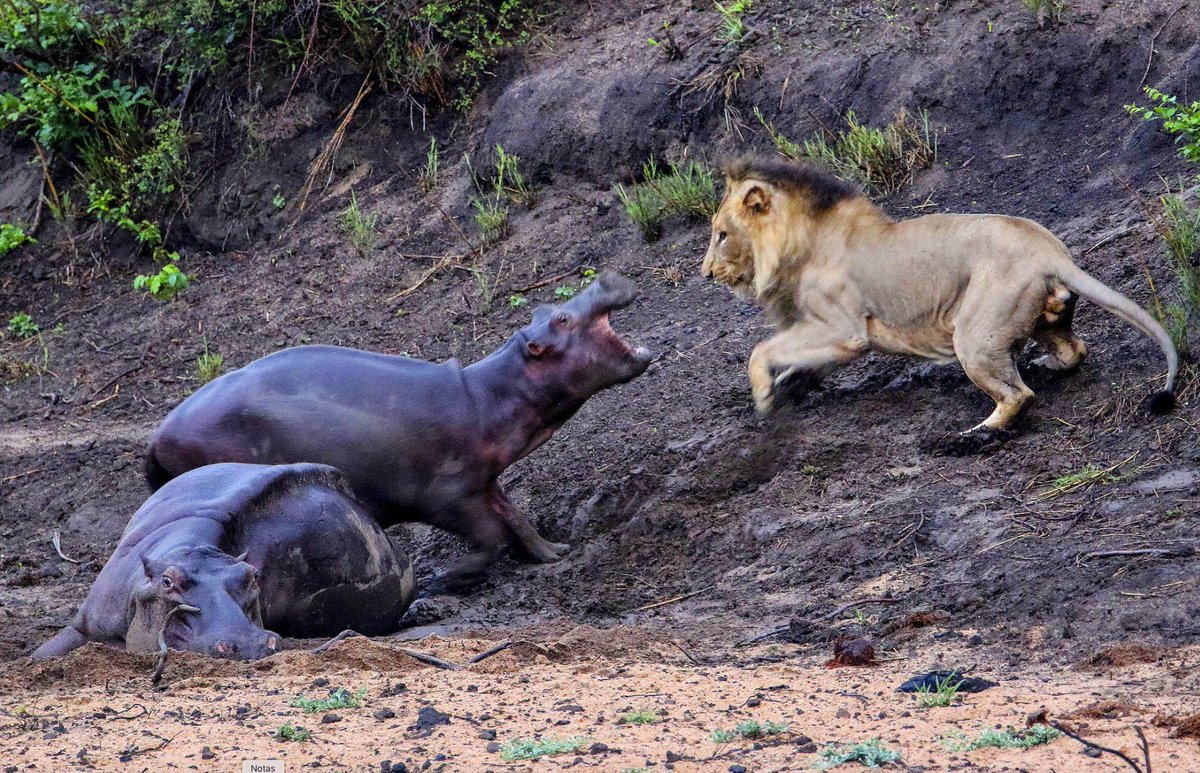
x=525, y=536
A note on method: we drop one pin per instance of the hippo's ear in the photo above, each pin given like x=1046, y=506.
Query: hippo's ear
x=147, y=568
x=242, y=558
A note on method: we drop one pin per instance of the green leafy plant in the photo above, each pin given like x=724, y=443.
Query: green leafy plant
x=289, y=732
x=427, y=180
x=884, y=158
x=165, y=285
x=643, y=717
x=357, y=227
x=1046, y=9
x=12, y=237
x=1008, y=738
x=748, y=729
x=22, y=326
x=871, y=753
x=685, y=190
x=565, y=292
x=732, y=28
x=517, y=301
x=279, y=201
x=533, y=748
x=340, y=698
x=1179, y=226
x=1182, y=120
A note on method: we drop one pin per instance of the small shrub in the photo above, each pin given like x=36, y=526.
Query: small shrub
x=644, y=717
x=532, y=749
x=517, y=301
x=165, y=285
x=882, y=158
x=428, y=178
x=733, y=27
x=357, y=227
x=12, y=237
x=566, y=292
x=1182, y=120
x=22, y=326
x=1008, y=738
x=871, y=753
x=289, y=732
x=682, y=190
x=509, y=180
x=341, y=698
x=279, y=201
x=1180, y=229
x=1046, y=9
x=748, y=729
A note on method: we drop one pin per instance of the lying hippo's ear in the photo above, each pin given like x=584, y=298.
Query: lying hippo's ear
x=147, y=568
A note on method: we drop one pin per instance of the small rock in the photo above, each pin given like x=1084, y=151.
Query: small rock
x=808, y=748
x=487, y=735
x=384, y=714
x=330, y=718
x=571, y=708
x=320, y=682
x=429, y=717
x=598, y=748
x=205, y=754
x=843, y=714
x=802, y=740
x=673, y=757
x=1089, y=751
x=975, y=640
x=493, y=747
x=737, y=769
x=755, y=701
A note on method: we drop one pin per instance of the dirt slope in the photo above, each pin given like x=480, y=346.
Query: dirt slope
x=670, y=485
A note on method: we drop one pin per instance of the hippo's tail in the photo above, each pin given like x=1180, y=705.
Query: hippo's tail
x=156, y=474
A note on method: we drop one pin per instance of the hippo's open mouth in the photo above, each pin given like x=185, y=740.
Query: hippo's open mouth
x=603, y=328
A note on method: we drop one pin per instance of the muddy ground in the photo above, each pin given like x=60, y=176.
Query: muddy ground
x=669, y=488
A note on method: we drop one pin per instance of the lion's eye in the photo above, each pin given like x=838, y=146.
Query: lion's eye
x=721, y=236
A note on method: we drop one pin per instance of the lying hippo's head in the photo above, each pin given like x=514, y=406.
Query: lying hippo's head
x=201, y=600
x=571, y=346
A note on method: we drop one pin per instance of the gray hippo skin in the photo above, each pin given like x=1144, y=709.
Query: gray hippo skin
x=417, y=440
x=309, y=562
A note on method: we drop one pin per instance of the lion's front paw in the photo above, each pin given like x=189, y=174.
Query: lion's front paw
x=764, y=400
x=981, y=440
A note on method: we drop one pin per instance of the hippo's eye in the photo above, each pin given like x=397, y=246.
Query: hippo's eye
x=166, y=582
x=721, y=237
x=562, y=319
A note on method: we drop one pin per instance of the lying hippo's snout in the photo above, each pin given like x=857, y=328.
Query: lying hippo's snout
x=247, y=650
x=609, y=292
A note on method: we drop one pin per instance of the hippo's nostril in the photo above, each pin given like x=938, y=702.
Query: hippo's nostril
x=222, y=647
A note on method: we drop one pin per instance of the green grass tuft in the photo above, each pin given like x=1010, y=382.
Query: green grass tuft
x=1008, y=738
x=643, y=717
x=340, y=698
x=533, y=748
x=748, y=729
x=871, y=753
x=685, y=190
x=289, y=732
x=357, y=227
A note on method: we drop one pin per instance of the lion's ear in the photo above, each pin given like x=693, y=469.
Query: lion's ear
x=757, y=200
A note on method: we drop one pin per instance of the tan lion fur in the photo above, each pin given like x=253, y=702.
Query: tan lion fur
x=840, y=278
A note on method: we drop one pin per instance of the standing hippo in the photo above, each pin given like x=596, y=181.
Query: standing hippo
x=310, y=562
x=418, y=441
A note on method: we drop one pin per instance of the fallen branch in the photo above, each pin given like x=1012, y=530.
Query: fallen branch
x=501, y=647
x=325, y=158
x=431, y=660
x=141, y=364
x=1089, y=744
x=425, y=277
x=672, y=600
x=346, y=634
x=821, y=619
x=20, y=475
x=1153, y=40
x=162, y=644
x=121, y=714
x=1184, y=552
x=56, y=541
x=549, y=281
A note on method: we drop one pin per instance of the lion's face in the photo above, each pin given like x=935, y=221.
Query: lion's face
x=730, y=256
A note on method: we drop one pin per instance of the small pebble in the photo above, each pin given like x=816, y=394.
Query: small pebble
x=330, y=718
x=487, y=735
x=384, y=714
x=493, y=747
x=205, y=754
x=598, y=748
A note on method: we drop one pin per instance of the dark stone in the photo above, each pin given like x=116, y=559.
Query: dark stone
x=755, y=701
x=429, y=717
x=493, y=747
x=598, y=748
x=737, y=769
x=207, y=754
x=330, y=718
x=673, y=757
x=320, y=682
x=384, y=714
x=487, y=735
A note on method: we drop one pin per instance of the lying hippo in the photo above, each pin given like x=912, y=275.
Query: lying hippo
x=310, y=562
x=418, y=441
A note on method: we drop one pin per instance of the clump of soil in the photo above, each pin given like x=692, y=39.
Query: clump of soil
x=1125, y=654
x=1105, y=709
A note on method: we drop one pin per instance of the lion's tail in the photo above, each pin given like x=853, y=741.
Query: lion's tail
x=1087, y=286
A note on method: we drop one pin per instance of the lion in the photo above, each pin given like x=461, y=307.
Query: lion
x=839, y=278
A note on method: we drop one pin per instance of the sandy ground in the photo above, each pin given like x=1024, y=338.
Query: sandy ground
x=96, y=710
